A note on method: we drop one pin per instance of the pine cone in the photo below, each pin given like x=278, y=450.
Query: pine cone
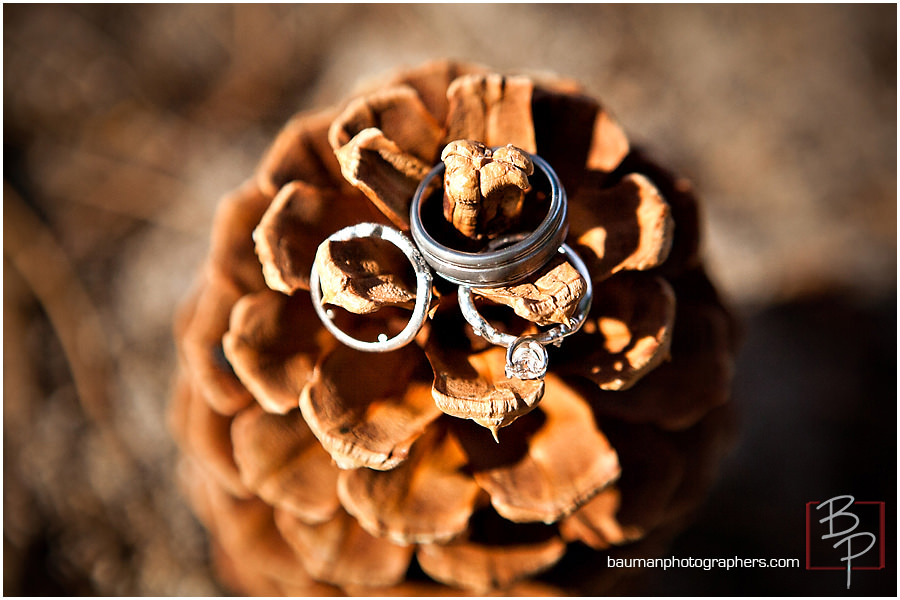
x=322, y=470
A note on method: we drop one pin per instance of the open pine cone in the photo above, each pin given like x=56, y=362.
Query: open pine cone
x=319, y=469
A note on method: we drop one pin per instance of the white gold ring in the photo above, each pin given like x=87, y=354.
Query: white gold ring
x=423, y=288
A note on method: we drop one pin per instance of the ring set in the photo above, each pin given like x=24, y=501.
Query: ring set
x=504, y=262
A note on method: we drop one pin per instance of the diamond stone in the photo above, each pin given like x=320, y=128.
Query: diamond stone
x=526, y=359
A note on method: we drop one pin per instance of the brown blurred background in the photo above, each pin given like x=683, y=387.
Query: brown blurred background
x=124, y=125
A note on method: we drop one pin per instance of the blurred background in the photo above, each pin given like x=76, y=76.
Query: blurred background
x=124, y=126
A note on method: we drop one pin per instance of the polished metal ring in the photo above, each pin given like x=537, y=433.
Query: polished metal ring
x=423, y=289
x=501, y=267
x=526, y=356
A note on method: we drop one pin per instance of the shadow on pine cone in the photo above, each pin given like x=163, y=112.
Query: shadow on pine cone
x=321, y=470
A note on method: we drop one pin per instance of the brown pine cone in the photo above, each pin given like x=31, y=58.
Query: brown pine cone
x=322, y=470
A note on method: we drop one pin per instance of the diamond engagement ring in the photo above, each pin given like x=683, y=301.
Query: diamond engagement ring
x=526, y=356
x=423, y=288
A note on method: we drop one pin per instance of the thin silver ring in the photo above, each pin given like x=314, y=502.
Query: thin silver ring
x=423, y=288
x=553, y=336
x=505, y=266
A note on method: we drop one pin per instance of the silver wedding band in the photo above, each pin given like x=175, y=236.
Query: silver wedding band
x=423, y=288
x=493, y=268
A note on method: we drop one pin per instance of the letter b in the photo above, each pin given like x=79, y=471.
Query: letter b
x=841, y=513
